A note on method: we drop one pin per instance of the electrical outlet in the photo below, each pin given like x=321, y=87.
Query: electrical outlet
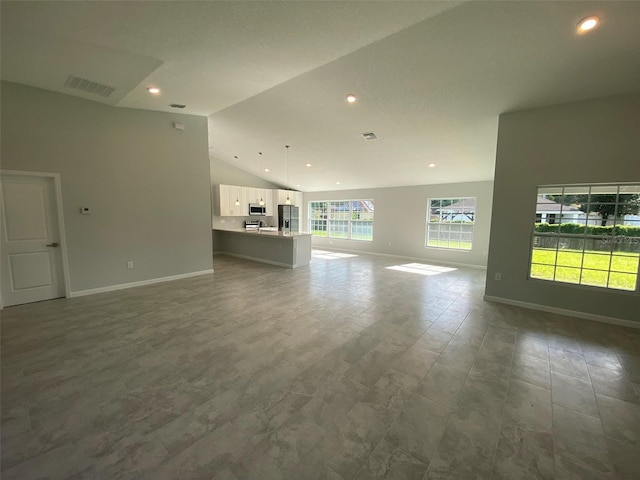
x=129, y=264
x=498, y=277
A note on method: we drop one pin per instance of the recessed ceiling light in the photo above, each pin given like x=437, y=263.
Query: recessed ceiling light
x=431, y=165
x=351, y=98
x=266, y=169
x=308, y=164
x=297, y=184
x=153, y=90
x=587, y=24
x=337, y=183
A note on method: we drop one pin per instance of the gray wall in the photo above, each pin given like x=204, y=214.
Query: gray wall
x=400, y=221
x=593, y=141
x=146, y=182
x=226, y=174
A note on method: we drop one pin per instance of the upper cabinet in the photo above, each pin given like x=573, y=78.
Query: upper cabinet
x=255, y=195
x=281, y=197
x=237, y=207
x=229, y=195
x=230, y=201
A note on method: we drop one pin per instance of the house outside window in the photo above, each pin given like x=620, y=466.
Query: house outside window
x=588, y=235
x=344, y=219
x=450, y=223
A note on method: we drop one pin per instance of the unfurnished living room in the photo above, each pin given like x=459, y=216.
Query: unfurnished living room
x=312, y=240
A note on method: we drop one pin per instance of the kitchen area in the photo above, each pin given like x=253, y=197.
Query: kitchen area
x=260, y=224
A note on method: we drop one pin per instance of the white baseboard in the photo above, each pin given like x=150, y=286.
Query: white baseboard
x=401, y=257
x=562, y=311
x=122, y=286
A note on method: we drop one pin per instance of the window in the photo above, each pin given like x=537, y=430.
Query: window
x=346, y=219
x=588, y=235
x=339, y=219
x=318, y=219
x=450, y=223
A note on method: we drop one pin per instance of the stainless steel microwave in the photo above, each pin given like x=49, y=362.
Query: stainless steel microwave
x=255, y=209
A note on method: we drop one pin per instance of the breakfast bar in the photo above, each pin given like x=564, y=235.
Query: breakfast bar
x=285, y=249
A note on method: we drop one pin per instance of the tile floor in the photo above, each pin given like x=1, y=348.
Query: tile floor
x=346, y=370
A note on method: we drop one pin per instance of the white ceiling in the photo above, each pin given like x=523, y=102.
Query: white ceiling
x=431, y=77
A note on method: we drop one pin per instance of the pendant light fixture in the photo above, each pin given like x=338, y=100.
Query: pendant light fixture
x=288, y=200
x=261, y=202
x=237, y=196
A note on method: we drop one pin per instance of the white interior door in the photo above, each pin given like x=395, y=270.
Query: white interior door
x=31, y=258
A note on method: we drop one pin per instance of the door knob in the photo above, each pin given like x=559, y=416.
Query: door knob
x=54, y=244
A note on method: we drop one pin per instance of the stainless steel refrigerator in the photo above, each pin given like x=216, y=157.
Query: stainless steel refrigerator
x=288, y=219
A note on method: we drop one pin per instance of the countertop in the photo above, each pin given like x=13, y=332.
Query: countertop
x=263, y=233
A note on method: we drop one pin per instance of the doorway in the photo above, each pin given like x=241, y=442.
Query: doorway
x=33, y=248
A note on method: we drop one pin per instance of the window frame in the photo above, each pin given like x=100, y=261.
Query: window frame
x=347, y=216
x=453, y=200
x=562, y=238
x=323, y=220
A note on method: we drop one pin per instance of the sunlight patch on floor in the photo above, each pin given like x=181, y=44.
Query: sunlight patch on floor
x=422, y=268
x=330, y=255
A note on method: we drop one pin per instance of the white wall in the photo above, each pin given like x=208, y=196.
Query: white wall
x=400, y=221
x=146, y=183
x=595, y=141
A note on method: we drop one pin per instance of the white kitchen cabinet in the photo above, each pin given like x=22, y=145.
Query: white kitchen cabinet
x=268, y=202
x=227, y=195
x=222, y=197
x=295, y=197
x=281, y=196
x=254, y=195
x=237, y=195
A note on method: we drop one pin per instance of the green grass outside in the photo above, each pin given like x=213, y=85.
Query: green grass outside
x=345, y=236
x=568, y=265
x=449, y=244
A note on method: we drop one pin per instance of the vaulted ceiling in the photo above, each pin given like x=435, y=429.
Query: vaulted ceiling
x=431, y=78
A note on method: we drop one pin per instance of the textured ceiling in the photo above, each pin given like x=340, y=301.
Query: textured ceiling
x=431, y=77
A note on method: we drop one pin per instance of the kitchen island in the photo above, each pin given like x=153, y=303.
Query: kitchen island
x=290, y=250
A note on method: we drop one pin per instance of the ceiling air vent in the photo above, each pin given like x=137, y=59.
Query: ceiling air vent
x=89, y=86
x=369, y=136
x=177, y=105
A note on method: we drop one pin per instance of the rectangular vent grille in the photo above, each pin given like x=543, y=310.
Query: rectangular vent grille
x=89, y=86
x=369, y=136
x=177, y=105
